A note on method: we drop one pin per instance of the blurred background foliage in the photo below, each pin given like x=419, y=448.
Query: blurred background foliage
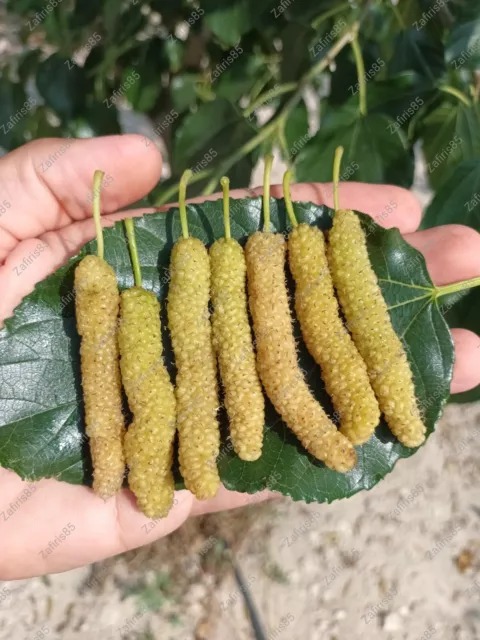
x=201, y=74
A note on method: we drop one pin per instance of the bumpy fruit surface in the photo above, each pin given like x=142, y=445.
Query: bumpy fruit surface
x=277, y=361
x=368, y=319
x=343, y=369
x=97, y=302
x=149, y=439
x=196, y=384
x=233, y=344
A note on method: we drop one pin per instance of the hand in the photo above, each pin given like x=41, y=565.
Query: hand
x=49, y=203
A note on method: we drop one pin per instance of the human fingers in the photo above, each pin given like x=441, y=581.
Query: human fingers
x=47, y=189
x=72, y=526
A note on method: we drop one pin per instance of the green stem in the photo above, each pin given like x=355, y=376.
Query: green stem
x=225, y=182
x=173, y=190
x=97, y=216
x=337, y=161
x=457, y=93
x=288, y=198
x=279, y=90
x=457, y=286
x=266, y=192
x=182, y=196
x=328, y=14
x=399, y=17
x=132, y=243
x=362, y=82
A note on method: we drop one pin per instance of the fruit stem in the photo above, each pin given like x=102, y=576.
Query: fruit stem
x=225, y=182
x=288, y=198
x=266, y=192
x=362, y=83
x=457, y=286
x=182, y=196
x=132, y=244
x=337, y=161
x=97, y=216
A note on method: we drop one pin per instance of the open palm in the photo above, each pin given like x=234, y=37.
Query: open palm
x=47, y=185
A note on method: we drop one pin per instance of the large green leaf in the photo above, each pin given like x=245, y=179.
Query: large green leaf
x=375, y=148
x=450, y=135
x=63, y=86
x=41, y=422
x=211, y=134
x=416, y=50
x=458, y=202
x=230, y=20
x=463, y=46
x=458, y=199
x=403, y=97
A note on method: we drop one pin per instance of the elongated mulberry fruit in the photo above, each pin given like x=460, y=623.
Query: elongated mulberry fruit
x=343, y=369
x=368, y=319
x=277, y=362
x=233, y=344
x=149, y=439
x=196, y=383
x=96, y=305
x=97, y=302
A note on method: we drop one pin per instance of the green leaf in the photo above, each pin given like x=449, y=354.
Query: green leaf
x=41, y=416
x=229, y=21
x=401, y=97
x=295, y=38
x=451, y=134
x=62, y=85
x=458, y=202
x=458, y=199
x=209, y=135
x=416, y=50
x=142, y=94
x=375, y=149
x=183, y=90
x=239, y=78
x=463, y=46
